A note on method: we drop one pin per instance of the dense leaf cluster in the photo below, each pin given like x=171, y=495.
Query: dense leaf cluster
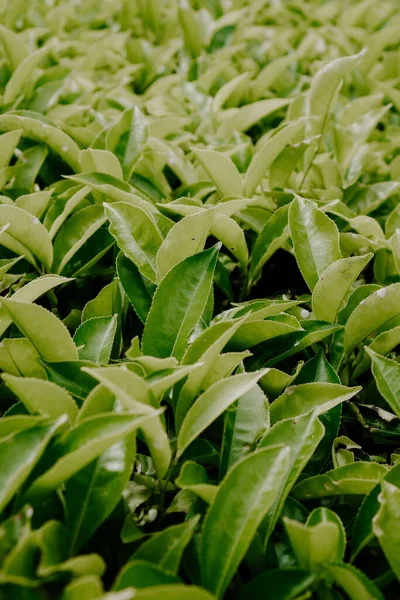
x=200, y=299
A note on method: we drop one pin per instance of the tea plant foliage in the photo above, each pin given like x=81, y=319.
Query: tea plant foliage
x=200, y=299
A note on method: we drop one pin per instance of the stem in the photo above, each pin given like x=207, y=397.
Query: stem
x=164, y=485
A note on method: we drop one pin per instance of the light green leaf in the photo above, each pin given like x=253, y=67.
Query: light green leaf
x=177, y=308
x=205, y=349
x=95, y=337
x=252, y=333
x=18, y=356
x=222, y=171
x=126, y=139
x=315, y=239
x=335, y=285
x=31, y=292
x=302, y=435
x=9, y=141
x=324, y=86
x=244, y=424
x=187, y=237
x=356, y=585
x=232, y=236
x=42, y=397
x=373, y=313
x=13, y=47
x=49, y=336
x=24, y=234
x=136, y=398
x=232, y=520
x=35, y=204
x=301, y=399
x=211, y=404
x=386, y=373
x=69, y=207
x=74, y=233
x=356, y=478
x=100, y=161
x=93, y=492
x=268, y=152
x=80, y=446
x=18, y=81
x=34, y=126
x=87, y=587
x=248, y=115
x=136, y=234
x=319, y=542
x=20, y=453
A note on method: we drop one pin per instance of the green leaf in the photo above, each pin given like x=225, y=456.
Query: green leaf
x=193, y=478
x=205, y=350
x=35, y=204
x=100, y=161
x=138, y=289
x=211, y=404
x=74, y=233
x=384, y=523
x=282, y=584
x=186, y=238
x=42, y=397
x=232, y=520
x=142, y=574
x=20, y=77
x=356, y=585
x=176, y=309
x=254, y=332
x=363, y=532
x=136, y=234
x=319, y=542
x=272, y=237
x=315, y=239
x=126, y=139
x=93, y=492
x=35, y=127
x=49, y=336
x=274, y=351
x=222, y=171
x=80, y=446
x=69, y=375
x=324, y=86
x=54, y=558
x=334, y=286
x=88, y=587
x=244, y=424
x=167, y=592
x=136, y=397
x=375, y=312
x=248, y=115
x=94, y=339
x=20, y=453
x=71, y=204
x=25, y=235
x=302, y=399
x=386, y=373
x=302, y=435
x=166, y=547
x=14, y=50
x=357, y=478
x=267, y=153
x=31, y=292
